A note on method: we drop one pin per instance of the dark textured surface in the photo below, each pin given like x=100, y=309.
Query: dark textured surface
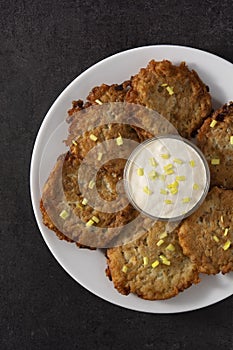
x=44, y=45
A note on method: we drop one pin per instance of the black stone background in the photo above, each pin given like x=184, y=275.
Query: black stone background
x=44, y=45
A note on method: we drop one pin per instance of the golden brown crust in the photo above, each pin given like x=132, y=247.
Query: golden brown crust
x=47, y=222
x=197, y=233
x=80, y=144
x=109, y=93
x=185, y=108
x=62, y=191
x=215, y=144
x=103, y=93
x=161, y=282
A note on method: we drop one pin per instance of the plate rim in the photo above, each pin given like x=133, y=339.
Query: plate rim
x=33, y=166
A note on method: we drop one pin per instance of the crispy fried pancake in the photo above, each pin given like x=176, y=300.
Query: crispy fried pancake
x=103, y=94
x=175, y=92
x=215, y=144
x=62, y=189
x=131, y=266
x=109, y=93
x=206, y=234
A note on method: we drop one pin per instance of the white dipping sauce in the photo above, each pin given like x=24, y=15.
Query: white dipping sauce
x=171, y=192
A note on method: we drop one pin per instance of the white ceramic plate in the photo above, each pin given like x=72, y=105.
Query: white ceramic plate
x=88, y=267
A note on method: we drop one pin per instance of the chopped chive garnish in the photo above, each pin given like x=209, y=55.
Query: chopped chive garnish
x=226, y=232
x=226, y=245
x=160, y=242
x=170, y=90
x=168, y=167
x=180, y=178
x=89, y=223
x=174, y=190
x=170, y=247
x=169, y=172
x=178, y=161
x=100, y=155
x=119, y=140
x=93, y=137
x=94, y=218
x=164, y=260
x=124, y=269
x=174, y=184
x=215, y=161
x=192, y=163
x=165, y=155
x=213, y=123
x=153, y=162
x=153, y=175
x=195, y=186
x=155, y=264
x=84, y=201
x=98, y=101
x=163, y=235
x=140, y=171
x=147, y=190
x=91, y=184
x=186, y=200
x=64, y=214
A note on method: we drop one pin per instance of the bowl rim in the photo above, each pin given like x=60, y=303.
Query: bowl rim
x=142, y=145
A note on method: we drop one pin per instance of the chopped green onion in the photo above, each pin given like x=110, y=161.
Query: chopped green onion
x=215, y=161
x=178, y=161
x=160, y=242
x=170, y=90
x=147, y=190
x=94, y=218
x=124, y=269
x=226, y=245
x=119, y=140
x=89, y=223
x=93, y=137
x=84, y=201
x=226, y=232
x=91, y=184
x=153, y=162
x=180, y=178
x=64, y=214
x=213, y=123
x=155, y=264
x=98, y=101
x=100, y=155
x=192, y=163
x=153, y=175
x=186, y=200
x=140, y=171
x=170, y=247
x=165, y=261
x=165, y=155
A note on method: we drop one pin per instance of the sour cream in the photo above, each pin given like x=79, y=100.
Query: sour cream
x=166, y=177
